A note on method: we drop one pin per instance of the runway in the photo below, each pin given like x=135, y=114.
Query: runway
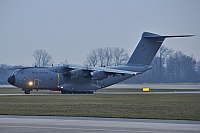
x=156, y=86
x=136, y=86
x=35, y=124
x=174, y=89
x=109, y=93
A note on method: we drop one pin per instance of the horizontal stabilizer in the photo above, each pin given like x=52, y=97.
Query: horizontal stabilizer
x=160, y=36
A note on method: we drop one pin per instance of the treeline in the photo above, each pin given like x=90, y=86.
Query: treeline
x=177, y=68
x=167, y=67
x=107, y=57
x=5, y=72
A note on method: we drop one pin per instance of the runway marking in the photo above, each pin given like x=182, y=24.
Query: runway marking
x=81, y=129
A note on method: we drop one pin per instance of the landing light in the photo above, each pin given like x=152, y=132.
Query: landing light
x=30, y=83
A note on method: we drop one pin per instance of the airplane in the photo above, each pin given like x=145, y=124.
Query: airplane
x=77, y=79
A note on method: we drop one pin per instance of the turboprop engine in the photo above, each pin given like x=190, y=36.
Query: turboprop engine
x=77, y=73
x=98, y=75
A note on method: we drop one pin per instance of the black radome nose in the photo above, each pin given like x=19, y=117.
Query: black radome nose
x=11, y=80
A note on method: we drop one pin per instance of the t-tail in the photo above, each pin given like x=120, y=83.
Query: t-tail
x=148, y=47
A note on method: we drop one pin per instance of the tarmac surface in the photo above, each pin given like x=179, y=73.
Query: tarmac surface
x=156, y=86
x=153, y=86
x=110, y=93
x=195, y=89
x=35, y=124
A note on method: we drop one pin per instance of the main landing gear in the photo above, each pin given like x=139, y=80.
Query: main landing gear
x=76, y=92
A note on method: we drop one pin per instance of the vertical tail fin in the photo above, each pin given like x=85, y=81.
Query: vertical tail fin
x=148, y=47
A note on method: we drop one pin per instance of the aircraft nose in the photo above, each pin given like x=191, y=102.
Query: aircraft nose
x=11, y=80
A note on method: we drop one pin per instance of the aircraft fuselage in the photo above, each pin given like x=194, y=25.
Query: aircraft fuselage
x=86, y=79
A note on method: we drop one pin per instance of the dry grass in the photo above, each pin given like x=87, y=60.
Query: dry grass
x=163, y=106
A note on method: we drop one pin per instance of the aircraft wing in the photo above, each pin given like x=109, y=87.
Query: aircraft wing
x=105, y=69
x=108, y=70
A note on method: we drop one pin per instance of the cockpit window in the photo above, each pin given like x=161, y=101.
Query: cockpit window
x=17, y=71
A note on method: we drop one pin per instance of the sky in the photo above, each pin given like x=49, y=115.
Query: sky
x=70, y=29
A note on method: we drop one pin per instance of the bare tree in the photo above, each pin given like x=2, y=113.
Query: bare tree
x=101, y=56
x=92, y=58
x=42, y=58
x=181, y=68
x=120, y=56
x=164, y=52
x=107, y=57
x=198, y=71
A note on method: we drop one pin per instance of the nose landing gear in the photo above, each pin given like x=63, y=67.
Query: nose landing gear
x=26, y=91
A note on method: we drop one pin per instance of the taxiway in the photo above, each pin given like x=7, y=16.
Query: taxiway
x=35, y=124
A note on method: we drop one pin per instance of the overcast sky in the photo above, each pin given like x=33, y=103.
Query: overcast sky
x=70, y=29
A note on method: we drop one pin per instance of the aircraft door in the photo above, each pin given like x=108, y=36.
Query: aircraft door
x=36, y=83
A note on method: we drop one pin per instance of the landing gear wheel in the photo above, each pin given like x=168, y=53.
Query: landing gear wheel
x=76, y=92
x=90, y=92
x=27, y=92
x=63, y=92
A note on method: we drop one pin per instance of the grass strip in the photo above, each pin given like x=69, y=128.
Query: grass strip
x=151, y=106
x=19, y=90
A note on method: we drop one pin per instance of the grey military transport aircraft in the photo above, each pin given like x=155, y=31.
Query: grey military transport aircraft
x=85, y=79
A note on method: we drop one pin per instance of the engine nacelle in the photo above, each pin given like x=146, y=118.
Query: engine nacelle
x=99, y=75
x=77, y=73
